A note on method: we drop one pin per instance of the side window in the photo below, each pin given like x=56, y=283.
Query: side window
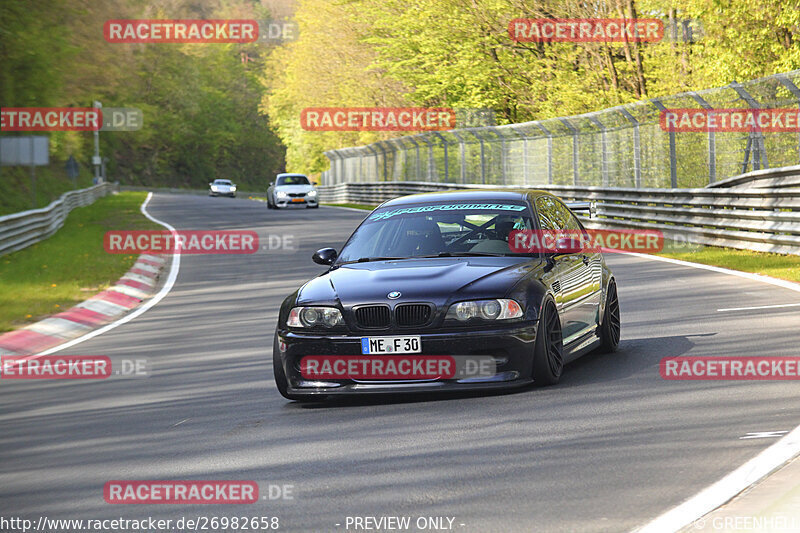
x=566, y=219
x=548, y=214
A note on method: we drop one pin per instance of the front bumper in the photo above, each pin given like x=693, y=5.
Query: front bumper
x=296, y=202
x=512, y=348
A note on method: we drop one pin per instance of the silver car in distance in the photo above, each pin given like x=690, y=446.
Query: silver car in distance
x=292, y=190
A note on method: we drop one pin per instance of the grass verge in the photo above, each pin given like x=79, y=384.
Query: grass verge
x=776, y=265
x=354, y=206
x=51, y=182
x=71, y=266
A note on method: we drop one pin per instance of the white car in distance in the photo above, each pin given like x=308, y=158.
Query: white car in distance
x=292, y=190
x=222, y=188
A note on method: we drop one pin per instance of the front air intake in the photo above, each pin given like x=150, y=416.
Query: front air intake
x=373, y=316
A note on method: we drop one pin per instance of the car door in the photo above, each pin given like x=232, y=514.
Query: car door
x=580, y=280
x=576, y=287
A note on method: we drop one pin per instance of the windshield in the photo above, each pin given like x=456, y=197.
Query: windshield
x=222, y=182
x=293, y=180
x=437, y=229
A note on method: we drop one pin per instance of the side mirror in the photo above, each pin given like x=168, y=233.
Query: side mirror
x=271, y=183
x=568, y=245
x=314, y=183
x=325, y=256
x=210, y=184
x=233, y=185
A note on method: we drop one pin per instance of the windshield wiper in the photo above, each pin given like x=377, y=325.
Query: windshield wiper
x=370, y=259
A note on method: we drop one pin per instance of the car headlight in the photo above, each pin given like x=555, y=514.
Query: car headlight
x=485, y=310
x=312, y=193
x=233, y=189
x=312, y=317
x=281, y=194
x=214, y=188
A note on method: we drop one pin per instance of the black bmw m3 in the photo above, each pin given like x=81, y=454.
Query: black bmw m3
x=431, y=293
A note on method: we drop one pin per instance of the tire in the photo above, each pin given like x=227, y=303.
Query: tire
x=548, y=352
x=282, y=382
x=609, y=330
x=312, y=206
x=269, y=204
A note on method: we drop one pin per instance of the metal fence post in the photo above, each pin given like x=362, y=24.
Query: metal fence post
x=374, y=153
x=333, y=157
x=637, y=148
x=416, y=146
x=502, y=152
x=483, y=156
x=784, y=79
x=549, y=152
x=326, y=176
x=431, y=168
x=462, y=155
x=397, y=147
x=574, y=131
x=402, y=147
x=673, y=157
x=524, y=137
x=503, y=156
x=446, y=162
x=603, y=149
x=712, y=143
x=360, y=165
x=760, y=151
x=380, y=145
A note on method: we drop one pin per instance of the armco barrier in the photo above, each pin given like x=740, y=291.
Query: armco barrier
x=20, y=230
x=760, y=219
x=769, y=178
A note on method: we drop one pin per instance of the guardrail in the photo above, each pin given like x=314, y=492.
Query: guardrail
x=196, y=192
x=763, y=219
x=20, y=230
x=770, y=178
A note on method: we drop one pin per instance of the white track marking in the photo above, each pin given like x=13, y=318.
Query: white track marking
x=726, y=488
x=173, y=275
x=747, y=275
x=778, y=306
x=764, y=435
x=750, y=473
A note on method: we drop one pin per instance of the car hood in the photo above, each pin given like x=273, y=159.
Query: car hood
x=294, y=188
x=437, y=280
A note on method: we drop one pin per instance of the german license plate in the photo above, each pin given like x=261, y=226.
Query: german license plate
x=390, y=345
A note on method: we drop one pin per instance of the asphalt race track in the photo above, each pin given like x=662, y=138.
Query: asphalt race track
x=610, y=448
